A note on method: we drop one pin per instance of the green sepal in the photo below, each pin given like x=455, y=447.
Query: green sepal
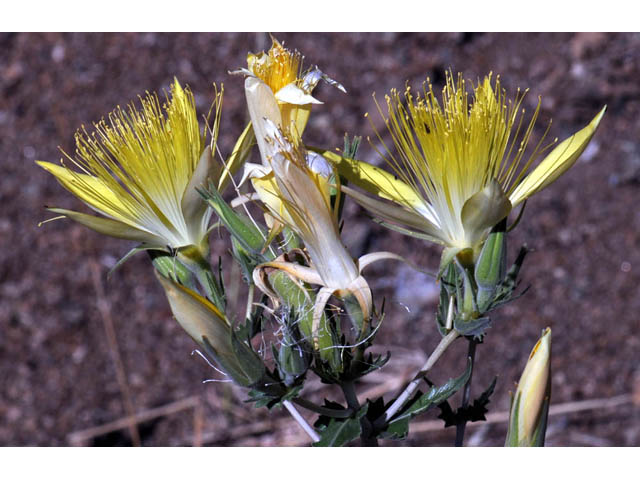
x=491, y=267
x=292, y=359
x=398, y=426
x=340, y=432
x=170, y=267
x=140, y=248
x=301, y=300
x=250, y=236
x=247, y=261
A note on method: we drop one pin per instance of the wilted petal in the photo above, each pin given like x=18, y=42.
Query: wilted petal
x=262, y=105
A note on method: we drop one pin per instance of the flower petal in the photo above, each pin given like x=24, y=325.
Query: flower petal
x=374, y=180
x=195, y=210
x=293, y=94
x=238, y=157
x=484, y=210
x=261, y=104
x=113, y=228
x=396, y=214
x=90, y=190
x=557, y=162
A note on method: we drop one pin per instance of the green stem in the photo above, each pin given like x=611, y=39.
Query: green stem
x=460, y=428
x=366, y=438
x=328, y=412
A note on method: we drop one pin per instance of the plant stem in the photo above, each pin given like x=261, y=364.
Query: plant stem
x=301, y=421
x=352, y=400
x=249, y=307
x=329, y=412
x=466, y=393
x=406, y=394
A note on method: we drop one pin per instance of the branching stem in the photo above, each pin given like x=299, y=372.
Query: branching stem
x=301, y=421
x=411, y=388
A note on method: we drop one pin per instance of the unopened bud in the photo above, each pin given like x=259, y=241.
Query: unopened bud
x=490, y=268
x=210, y=329
x=530, y=405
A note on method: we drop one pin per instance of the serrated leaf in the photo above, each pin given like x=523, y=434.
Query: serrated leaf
x=399, y=425
x=339, y=432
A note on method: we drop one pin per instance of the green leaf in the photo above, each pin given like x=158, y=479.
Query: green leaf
x=339, y=432
x=398, y=427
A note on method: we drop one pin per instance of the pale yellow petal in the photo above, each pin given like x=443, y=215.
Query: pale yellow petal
x=396, y=214
x=557, y=162
x=482, y=211
x=91, y=190
x=113, y=228
x=293, y=94
x=374, y=180
x=238, y=156
x=194, y=208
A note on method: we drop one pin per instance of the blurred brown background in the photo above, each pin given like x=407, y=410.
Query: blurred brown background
x=59, y=374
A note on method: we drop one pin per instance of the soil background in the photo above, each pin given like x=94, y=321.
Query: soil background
x=58, y=374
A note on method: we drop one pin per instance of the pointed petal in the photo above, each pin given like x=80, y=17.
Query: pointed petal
x=484, y=210
x=293, y=94
x=194, y=208
x=396, y=214
x=369, y=258
x=373, y=179
x=261, y=104
x=557, y=162
x=113, y=228
x=238, y=157
x=101, y=198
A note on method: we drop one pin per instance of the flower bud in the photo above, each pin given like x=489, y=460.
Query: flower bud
x=490, y=268
x=530, y=405
x=211, y=330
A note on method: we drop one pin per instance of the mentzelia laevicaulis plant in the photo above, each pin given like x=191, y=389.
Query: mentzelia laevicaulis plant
x=460, y=167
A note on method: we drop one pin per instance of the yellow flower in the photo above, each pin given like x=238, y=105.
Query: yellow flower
x=140, y=169
x=277, y=89
x=528, y=417
x=460, y=167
